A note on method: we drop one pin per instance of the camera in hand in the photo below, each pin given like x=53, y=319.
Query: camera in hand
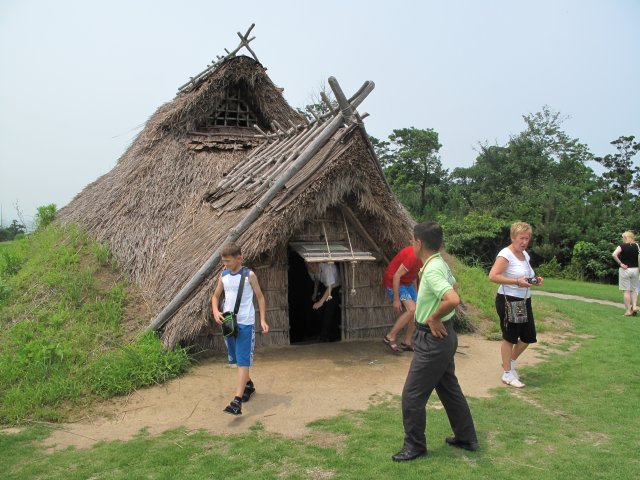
x=533, y=280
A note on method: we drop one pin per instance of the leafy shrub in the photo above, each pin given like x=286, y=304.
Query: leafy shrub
x=551, y=269
x=593, y=262
x=45, y=215
x=476, y=238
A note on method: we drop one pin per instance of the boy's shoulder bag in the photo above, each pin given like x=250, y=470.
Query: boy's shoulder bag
x=229, y=325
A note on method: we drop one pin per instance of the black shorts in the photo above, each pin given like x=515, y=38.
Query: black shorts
x=511, y=332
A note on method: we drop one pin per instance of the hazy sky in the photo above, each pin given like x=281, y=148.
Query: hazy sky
x=80, y=78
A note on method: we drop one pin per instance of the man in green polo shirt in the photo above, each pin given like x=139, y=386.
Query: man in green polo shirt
x=435, y=343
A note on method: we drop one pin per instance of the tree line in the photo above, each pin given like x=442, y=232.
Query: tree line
x=44, y=216
x=541, y=176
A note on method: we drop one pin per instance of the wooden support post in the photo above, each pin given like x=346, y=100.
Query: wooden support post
x=346, y=211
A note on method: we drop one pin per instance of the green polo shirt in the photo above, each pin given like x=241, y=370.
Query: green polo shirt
x=435, y=280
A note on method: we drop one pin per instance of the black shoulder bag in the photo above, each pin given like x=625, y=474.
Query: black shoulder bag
x=230, y=323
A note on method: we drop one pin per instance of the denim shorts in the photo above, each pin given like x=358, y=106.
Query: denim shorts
x=240, y=348
x=407, y=292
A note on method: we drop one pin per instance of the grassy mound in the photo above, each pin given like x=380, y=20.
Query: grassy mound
x=67, y=332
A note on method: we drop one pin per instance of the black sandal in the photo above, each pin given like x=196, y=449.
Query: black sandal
x=248, y=391
x=234, y=408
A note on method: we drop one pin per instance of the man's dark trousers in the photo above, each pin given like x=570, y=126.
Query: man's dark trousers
x=432, y=368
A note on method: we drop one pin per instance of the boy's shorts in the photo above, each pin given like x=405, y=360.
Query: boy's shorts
x=240, y=348
x=407, y=292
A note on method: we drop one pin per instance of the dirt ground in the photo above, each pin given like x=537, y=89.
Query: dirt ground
x=294, y=386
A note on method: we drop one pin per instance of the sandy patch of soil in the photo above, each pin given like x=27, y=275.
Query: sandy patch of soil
x=295, y=385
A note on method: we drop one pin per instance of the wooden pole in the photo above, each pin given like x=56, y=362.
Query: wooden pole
x=345, y=106
x=346, y=211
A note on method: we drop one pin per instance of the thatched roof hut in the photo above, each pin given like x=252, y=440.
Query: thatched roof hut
x=200, y=166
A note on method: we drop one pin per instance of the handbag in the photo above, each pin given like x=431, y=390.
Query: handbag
x=516, y=311
x=229, y=325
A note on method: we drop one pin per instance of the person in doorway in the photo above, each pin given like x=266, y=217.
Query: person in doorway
x=326, y=298
x=513, y=272
x=626, y=256
x=435, y=344
x=399, y=282
x=240, y=347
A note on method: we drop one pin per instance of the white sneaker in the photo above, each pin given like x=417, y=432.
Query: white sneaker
x=509, y=379
x=513, y=369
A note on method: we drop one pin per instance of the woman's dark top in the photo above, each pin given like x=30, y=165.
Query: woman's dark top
x=629, y=254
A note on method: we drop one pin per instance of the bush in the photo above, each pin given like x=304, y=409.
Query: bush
x=475, y=239
x=46, y=215
x=593, y=262
x=551, y=269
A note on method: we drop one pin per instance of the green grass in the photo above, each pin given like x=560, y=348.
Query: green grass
x=577, y=418
x=62, y=344
x=62, y=341
x=598, y=291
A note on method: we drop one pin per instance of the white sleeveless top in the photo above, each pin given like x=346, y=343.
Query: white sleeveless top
x=231, y=282
x=516, y=269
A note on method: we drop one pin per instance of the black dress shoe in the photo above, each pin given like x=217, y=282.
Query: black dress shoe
x=405, y=455
x=454, y=442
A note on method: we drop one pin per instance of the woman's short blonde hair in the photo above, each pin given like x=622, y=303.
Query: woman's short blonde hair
x=628, y=237
x=520, y=227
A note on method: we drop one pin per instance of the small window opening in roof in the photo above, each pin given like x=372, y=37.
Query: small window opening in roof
x=232, y=111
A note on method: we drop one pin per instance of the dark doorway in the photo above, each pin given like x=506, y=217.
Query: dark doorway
x=304, y=322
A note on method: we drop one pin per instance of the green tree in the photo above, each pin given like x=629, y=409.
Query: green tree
x=10, y=232
x=539, y=176
x=412, y=166
x=476, y=238
x=621, y=176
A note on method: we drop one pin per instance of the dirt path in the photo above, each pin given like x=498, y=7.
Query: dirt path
x=565, y=296
x=295, y=385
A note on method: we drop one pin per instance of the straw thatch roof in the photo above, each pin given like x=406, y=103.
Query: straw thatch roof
x=178, y=190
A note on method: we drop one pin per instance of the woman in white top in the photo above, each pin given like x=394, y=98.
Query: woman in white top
x=513, y=272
